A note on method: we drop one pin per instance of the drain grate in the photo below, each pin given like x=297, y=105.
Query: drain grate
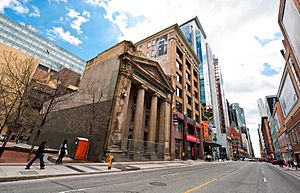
x=158, y=183
x=28, y=172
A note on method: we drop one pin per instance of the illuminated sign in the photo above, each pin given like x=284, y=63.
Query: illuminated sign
x=191, y=138
x=205, y=129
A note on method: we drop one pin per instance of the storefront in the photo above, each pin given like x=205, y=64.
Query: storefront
x=185, y=136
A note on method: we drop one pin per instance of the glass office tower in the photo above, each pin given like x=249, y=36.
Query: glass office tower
x=26, y=40
x=196, y=36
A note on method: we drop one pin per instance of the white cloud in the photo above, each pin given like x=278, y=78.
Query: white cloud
x=36, y=12
x=66, y=36
x=231, y=26
x=15, y=5
x=79, y=19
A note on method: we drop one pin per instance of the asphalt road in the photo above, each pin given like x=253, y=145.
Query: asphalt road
x=233, y=177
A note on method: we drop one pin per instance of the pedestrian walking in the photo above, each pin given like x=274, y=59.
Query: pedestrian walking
x=63, y=150
x=39, y=154
x=296, y=164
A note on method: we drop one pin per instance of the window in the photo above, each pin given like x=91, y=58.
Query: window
x=179, y=53
x=188, y=65
x=179, y=106
x=153, y=42
x=196, y=85
x=188, y=87
x=187, y=75
x=198, y=119
x=178, y=65
x=189, y=113
x=149, y=44
x=153, y=54
x=196, y=94
x=195, y=74
x=148, y=55
x=178, y=78
x=178, y=92
x=197, y=106
x=179, y=127
x=188, y=100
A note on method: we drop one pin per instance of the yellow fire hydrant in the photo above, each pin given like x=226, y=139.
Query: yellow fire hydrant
x=110, y=161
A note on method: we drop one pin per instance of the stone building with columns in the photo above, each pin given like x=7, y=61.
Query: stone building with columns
x=131, y=117
x=178, y=60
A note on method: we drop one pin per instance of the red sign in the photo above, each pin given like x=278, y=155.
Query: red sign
x=191, y=138
x=205, y=129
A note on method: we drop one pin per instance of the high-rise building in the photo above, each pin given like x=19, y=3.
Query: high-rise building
x=223, y=114
x=196, y=37
x=25, y=39
x=261, y=143
x=212, y=96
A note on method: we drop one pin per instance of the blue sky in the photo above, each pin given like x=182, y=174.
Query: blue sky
x=269, y=71
x=74, y=25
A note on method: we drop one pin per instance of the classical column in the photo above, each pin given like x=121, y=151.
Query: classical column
x=167, y=131
x=164, y=128
x=138, y=120
x=152, y=123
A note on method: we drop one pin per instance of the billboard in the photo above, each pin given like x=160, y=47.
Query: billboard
x=161, y=45
x=205, y=129
x=291, y=23
x=287, y=95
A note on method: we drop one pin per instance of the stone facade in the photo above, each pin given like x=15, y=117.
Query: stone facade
x=131, y=108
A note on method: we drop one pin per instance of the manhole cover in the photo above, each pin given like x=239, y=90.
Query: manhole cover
x=158, y=183
x=28, y=172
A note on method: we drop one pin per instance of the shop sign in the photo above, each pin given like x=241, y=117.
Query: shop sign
x=191, y=138
x=205, y=129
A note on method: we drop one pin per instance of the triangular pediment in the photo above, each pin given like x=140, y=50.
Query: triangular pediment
x=152, y=69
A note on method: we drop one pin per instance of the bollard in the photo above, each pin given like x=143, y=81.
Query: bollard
x=110, y=161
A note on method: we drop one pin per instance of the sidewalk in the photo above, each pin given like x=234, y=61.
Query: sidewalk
x=290, y=170
x=16, y=171
x=14, y=160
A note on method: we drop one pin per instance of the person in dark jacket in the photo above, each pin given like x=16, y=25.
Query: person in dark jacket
x=39, y=154
x=62, y=152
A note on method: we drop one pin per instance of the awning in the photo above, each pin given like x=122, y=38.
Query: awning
x=211, y=144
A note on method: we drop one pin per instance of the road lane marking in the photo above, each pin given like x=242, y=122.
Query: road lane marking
x=72, y=191
x=262, y=172
x=265, y=180
x=169, y=174
x=201, y=185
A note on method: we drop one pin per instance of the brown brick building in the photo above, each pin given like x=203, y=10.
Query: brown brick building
x=177, y=59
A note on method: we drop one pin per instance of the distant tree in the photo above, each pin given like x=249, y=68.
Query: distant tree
x=95, y=93
x=15, y=76
x=58, y=94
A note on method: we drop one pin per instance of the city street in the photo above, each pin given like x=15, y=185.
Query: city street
x=214, y=177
